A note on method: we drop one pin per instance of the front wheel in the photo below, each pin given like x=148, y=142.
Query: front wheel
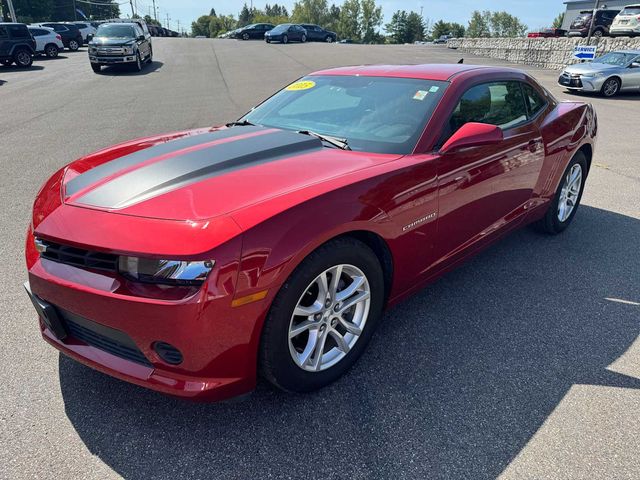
x=323, y=317
x=610, y=87
x=567, y=198
x=598, y=33
x=328, y=39
x=304, y=38
x=285, y=39
x=74, y=45
x=245, y=36
x=138, y=65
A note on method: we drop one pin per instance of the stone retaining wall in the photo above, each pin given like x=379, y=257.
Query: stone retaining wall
x=551, y=53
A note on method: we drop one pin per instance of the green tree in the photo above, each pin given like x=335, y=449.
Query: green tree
x=415, y=27
x=151, y=21
x=370, y=21
x=246, y=16
x=479, y=25
x=333, y=19
x=397, y=28
x=310, y=11
x=558, y=21
x=504, y=24
x=349, y=24
x=201, y=27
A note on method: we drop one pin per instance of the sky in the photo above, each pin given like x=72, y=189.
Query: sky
x=534, y=13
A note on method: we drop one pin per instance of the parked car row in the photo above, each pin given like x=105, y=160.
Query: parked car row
x=607, y=21
x=285, y=33
x=115, y=41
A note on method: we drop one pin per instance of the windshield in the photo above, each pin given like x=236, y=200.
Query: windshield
x=634, y=10
x=616, y=58
x=374, y=114
x=115, y=31
x=281, y=28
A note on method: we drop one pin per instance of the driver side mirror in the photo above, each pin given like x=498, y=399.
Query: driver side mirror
x=89, y=37
x=473, y=134
x=141, y=38
x=635, y=65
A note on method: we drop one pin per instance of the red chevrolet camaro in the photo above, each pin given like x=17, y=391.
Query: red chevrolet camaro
x=189, y=262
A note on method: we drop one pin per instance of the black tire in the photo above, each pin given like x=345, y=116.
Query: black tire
x=245, y=36
x=328, y=39
x=96, y=67
x=150, y=57
x=285, y=39
x=550, y=223
x=598, y=33
x=267, y=40
x=304, y=38
x=611, y=87
x=23, y=58
x=74, y=45
x=138, y=65
x=275, y=360
x=51, y=50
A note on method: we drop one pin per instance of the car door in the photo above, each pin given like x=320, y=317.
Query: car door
x=5, y=49
x=312, y=32
x=484, y=189
x=631, y=76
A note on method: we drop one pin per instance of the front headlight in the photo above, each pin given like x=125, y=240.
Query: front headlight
x=166, y=272
x=598, y=74
x=128, y=50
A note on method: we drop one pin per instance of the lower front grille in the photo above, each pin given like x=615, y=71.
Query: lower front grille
x=108, y=339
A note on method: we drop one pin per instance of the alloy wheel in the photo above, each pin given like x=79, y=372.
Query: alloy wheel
x=610, y=87
x=73, y=45
x=51, y=51
x=570, y=192
x=23, y=58
x=329, y=318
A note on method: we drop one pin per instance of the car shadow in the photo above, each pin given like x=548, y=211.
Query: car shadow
x=120, y=70
x=44, y=58
x=454, y=384
x=14, y=68
x=620, y=96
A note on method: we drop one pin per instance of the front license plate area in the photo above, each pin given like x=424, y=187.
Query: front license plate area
x=48, y=313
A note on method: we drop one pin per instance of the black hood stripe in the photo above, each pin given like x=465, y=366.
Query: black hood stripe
x=108, y=169
x=157, y=178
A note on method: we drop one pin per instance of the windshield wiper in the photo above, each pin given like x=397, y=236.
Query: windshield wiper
x=340, y=143
x=241, y=123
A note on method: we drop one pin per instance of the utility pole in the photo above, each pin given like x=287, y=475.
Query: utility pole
x=75, y=11
x=12, y=12
x=593, y=20
x=168, y=25
x=155, y=12
x=133, y=12
x=178, y=28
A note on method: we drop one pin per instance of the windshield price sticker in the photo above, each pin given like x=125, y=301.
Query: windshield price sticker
x=304, y=85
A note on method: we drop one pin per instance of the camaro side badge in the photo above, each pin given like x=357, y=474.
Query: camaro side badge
x=419, y=222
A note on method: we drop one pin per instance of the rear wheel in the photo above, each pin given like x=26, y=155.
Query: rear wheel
x=285, y=39
x=598, y=33
x=567, y=198
x=74, y=45
x=304, y=38
x=23, y=58
x=611, y=87
x=51, y=50
x=328, y=39
x=245, y=36
x=323, y=317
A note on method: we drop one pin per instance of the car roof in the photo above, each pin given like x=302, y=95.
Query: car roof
x=429, y=71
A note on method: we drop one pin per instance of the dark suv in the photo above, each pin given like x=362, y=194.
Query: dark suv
x=316, y=33
x=70, y=33
x=120, y=43
x=256, y=30
x=581, y=25
x=16, y=45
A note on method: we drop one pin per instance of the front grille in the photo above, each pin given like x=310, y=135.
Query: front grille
x=104, y=338
x=110, y=51
x=77, y=257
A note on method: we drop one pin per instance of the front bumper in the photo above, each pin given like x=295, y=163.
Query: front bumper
x=581, y=83
x=102, y=60
x=116, y=334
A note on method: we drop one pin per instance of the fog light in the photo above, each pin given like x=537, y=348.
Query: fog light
x=168, y=353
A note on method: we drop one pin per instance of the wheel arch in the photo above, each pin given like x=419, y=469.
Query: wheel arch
x=587, y=150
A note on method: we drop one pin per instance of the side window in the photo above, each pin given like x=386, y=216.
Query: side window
x=535, y=101
x=499, y=103
x=19, y=31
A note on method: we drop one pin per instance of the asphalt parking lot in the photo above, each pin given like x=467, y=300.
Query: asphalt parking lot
x=524, y=363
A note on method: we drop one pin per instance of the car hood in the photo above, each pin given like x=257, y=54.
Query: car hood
x=206, y=173
x=111, y=42
x=586, y=68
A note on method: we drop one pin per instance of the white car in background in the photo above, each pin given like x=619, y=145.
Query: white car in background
x=48, y=42
x=627, y=22
x=86, y=29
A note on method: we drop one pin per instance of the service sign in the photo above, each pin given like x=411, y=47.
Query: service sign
x=584, y=52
